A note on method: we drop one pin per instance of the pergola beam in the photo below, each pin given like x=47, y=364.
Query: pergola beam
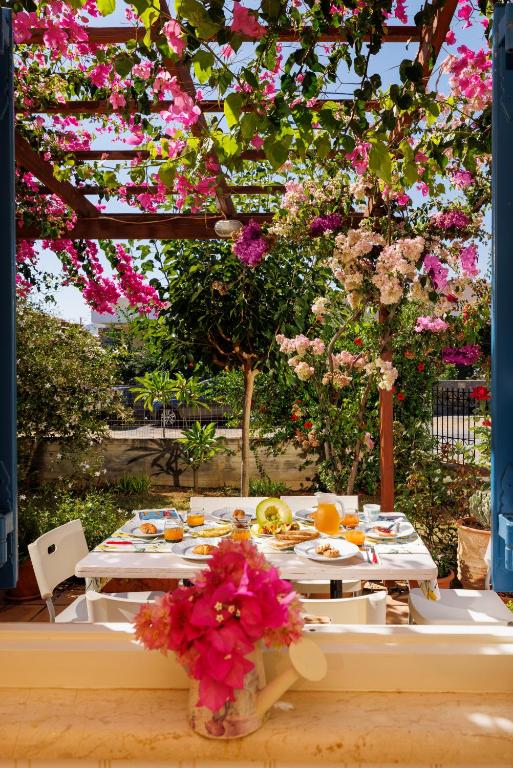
x=119, y=35
x=153, y=226
x=136, y=189
x=31, y=161
x=104, y=107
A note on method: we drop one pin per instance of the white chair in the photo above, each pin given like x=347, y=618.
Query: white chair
x=211, y=503
x=103, y=607
x=369, y=609
x=309, y=587
x=459, y=606
x=54, y=556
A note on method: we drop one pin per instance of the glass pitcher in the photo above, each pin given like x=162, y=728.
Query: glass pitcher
x=328, y=515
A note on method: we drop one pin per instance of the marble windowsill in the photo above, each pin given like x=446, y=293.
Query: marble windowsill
x=145, y=727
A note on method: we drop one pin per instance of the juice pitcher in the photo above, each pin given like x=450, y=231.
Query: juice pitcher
x=329, y=514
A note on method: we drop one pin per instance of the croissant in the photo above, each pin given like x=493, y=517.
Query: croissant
x=148, y=528
x=203, y=549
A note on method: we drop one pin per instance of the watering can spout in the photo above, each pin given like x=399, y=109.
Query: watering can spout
x=306, y=660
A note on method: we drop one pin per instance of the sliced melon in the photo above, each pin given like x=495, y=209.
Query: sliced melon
x=273, y=511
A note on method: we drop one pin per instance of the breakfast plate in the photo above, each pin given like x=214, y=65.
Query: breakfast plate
x=378, y=530
x=133, y=528
x=210, y=530
x=186, y=548
x=345, y=550
x=226, y=513
x=306, y=515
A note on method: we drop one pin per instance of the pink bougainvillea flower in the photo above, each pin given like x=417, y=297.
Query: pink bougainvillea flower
x=175, y=37
x=117, y=99
x=246, y=22
x=433, y=324
x=450, y=37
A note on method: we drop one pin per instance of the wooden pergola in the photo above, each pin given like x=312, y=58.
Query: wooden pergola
x=92, y=224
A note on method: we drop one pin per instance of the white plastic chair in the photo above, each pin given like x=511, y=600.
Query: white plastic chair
x=309, y=587
x=461, y=606
x=369, y=609
x=54, y=556
x=211, y=503
x=122, y=606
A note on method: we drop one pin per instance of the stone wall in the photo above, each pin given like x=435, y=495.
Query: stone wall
x=157, y=458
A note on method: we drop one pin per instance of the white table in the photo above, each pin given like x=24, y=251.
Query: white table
x=419, y=566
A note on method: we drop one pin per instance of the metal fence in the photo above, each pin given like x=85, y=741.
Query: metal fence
x=456, y=413
x=161, y=422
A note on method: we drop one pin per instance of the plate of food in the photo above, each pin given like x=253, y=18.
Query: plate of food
x=211, y=531
x=144, y=530
x=306, y=515
x=390, y=530
x=229, y=515
x=283, y=541
x=326, y=550
x=196, y=550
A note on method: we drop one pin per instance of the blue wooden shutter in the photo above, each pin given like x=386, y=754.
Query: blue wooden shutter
x=8, y=532
x=502, y=300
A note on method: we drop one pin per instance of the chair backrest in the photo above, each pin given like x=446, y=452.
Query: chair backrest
x=55, y=554
x=211, y=503
x=369, y=609
x=303, y=502
x=102, y=607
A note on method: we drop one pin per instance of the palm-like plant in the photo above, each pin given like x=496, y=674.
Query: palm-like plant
x=155, y=387
x=200, y=444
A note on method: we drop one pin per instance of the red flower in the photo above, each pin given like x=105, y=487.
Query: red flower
x=358, y=342
x=294, y=417
x=480, y=393
x=409, y=355
x=308, y=425
x=421, y=367
x=401, y=395
x=486, y=422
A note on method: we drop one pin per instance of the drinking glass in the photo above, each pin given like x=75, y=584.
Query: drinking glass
x=173, y=528
x=195, y=518
x=241, y=530
x=371, y=512
x=350, y=519
x=356, y=536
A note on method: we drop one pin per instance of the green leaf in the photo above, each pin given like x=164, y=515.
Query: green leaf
x=249, y=125
x=149, y=13
x=167, y=174
x=410, y=174
x=277, y=152
x=203, y=61
x=106, y=7
x=123, y=64
x=198, y=16
x=380, y=161
x=232, y=108
x=271, y=8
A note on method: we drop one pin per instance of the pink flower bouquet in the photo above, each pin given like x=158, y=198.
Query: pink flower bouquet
x=216, y=623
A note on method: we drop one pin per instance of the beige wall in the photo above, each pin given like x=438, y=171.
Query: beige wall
x=153, y=457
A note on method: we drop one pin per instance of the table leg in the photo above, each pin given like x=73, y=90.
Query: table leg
x=335, y=589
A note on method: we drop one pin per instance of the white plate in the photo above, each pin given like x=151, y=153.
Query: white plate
x=133, y=528
x=306, y=515
x=184, y=548
x=391, y=516
x=403, y=531
x=226, y=513
x=307, y=549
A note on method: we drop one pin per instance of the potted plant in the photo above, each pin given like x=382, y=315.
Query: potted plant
x=473, y=538
x=446, y=574
x=199, y=444
x=216, y=627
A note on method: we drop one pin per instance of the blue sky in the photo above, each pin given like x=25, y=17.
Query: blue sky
x=69, y=302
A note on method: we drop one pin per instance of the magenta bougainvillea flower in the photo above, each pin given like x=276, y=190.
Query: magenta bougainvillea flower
x=467, y=355
x=251, y=245
x=212, y=626
x=328, y=223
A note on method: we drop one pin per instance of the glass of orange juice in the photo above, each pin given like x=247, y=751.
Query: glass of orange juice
x=350, y=519
x=173, y=528
x=356, y=536
x=327, y=518
x=195, y=518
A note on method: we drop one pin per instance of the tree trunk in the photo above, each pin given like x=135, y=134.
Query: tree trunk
x=163, y=420
x=195, y=479
x=386, y=433
x=249, y=383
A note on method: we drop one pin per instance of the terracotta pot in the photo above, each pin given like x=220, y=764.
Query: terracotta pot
x=26, y=587
x=237, y=718
x=472, y=544
x=444, y=582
